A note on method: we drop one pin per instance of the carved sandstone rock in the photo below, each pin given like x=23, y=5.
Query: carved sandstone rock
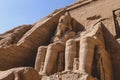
x=80, y=42
x=13, y=36
x=23, y=73
x=23, y=53
x=63, y=33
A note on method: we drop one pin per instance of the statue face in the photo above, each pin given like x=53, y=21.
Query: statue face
x=63, y=23
x=62, y=27
x=62, y=19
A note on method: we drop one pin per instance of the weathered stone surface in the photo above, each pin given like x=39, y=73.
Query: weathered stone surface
x=23, y=73
x=24, y=51
x=89, y=42
x=14, y=35
x=47, y=26
x=68, y=76
x=92, y=53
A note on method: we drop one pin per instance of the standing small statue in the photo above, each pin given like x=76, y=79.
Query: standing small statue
x=47, y=55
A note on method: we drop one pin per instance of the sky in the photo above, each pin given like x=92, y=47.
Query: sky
x=14, y=13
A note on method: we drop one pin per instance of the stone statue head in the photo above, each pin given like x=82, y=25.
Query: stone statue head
x=65, y=22
x=117, y=13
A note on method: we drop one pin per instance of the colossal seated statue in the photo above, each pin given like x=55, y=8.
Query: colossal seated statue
x=87, y=41
x=90, y=43
x=84, y=45
x=47, y=55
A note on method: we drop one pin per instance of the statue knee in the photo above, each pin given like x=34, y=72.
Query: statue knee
x=70, y=42
x=87, y=43
x=56, y=47
x=42, y=49
x=87, y=40
x=52, y=47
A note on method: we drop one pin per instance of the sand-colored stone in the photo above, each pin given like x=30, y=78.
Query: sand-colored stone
x=22, y=73
x=24, y=51
x=89, y=52
x=63, y=33
x=13, y=36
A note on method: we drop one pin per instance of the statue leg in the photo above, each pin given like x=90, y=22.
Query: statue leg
x=70, y=53
x=40, y=58
x=51, y=57
x=86, y=55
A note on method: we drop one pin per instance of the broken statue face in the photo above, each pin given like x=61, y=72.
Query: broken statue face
x=65, y=22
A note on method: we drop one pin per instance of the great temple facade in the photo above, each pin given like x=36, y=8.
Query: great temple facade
x=78, y=42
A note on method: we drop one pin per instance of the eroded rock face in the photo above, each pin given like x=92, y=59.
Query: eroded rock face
x=91, y=53
x=82, y=45
x=23, y=73
x=13, y=36
x=25, y=50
